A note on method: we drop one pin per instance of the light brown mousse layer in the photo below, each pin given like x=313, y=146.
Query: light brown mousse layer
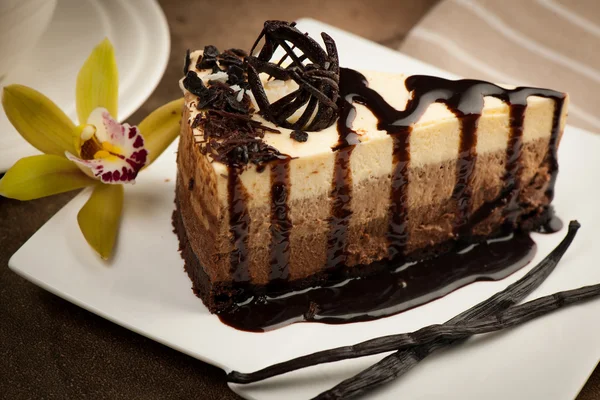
x=431, y=214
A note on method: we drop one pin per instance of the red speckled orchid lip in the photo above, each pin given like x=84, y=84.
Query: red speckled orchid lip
x=118, y=151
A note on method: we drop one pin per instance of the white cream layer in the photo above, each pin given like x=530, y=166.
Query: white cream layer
x=434, y=139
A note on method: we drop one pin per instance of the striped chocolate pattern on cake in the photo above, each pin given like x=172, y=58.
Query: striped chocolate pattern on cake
x=462, y=97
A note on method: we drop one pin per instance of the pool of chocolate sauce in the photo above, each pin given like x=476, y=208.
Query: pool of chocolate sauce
x=399, y=287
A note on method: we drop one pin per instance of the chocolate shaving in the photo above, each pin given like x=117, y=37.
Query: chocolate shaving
x=236, y=106
x=318, y=80
x=299, y=136
x=211, y=51
x=235, y=139
x=196, y=122
x=231, y=136
x=239, y=52
x=228, y=58
x=220, y=96
x=194, y=85
x=208, y=58
x=236, y=75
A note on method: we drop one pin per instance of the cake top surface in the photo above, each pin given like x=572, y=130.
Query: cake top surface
x=277, y=113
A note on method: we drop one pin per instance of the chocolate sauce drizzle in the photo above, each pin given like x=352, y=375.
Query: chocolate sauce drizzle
x=552, y=157
x=281, y=225
x=514, y=148
x=397, y=216
x=465, y=168
x=464, y=98
x=239, y=225
x=341, y=190
x=552, y=224
x=341, y=211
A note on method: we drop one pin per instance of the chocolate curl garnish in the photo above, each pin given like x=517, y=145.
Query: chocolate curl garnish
x=318, y=80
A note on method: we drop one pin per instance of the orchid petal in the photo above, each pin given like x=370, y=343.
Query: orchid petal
x=125, y=155
x=99, y=218
x=161, y=127
x=40, y=176
x=98, y=82
x=38, y=120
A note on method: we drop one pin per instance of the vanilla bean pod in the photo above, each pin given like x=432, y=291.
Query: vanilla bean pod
x=396, y=364
x=455, y=329
x=513, y=316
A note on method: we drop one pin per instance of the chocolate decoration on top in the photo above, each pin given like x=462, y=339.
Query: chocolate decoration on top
x=208, y=58
x=299, y=136
x=194, y=84
x=230, y=135
x=235, y=139
x=464, y=98
x=317, y=80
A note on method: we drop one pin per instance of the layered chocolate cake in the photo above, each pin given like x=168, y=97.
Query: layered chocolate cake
x=294, y=172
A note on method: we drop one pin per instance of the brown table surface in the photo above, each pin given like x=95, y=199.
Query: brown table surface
x=50, y=348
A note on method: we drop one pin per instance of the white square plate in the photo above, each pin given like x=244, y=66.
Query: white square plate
x=146, y=290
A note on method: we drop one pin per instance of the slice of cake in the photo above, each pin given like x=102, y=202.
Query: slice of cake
x=298, y=172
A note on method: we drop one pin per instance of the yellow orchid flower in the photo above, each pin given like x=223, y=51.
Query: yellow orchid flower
x=100, y=152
